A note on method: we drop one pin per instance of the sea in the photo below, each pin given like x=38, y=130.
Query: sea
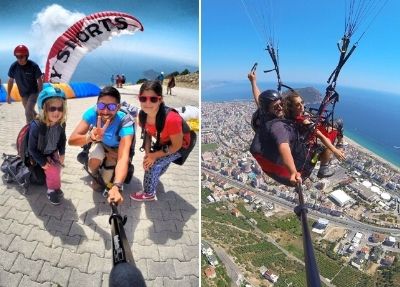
x=371, y=118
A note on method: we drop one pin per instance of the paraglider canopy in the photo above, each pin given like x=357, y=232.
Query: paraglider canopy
x=84, y=36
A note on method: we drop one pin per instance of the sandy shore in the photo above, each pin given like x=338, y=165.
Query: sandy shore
x=370, y=153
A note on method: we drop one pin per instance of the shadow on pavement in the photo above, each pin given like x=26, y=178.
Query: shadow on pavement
x=175, y=212
x=102, y=209
x=57, y=220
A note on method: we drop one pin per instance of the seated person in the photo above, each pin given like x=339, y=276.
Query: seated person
x=275, y=138
x=294, y=109
x=112, y=133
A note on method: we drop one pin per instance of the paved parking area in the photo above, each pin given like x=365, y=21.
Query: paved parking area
x=70, y=244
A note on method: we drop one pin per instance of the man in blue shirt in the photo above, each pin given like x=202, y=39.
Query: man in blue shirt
x=28, y=77
x=111, y=131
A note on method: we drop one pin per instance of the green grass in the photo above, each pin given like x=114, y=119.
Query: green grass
x=350, y=277
x=251, y=251
x=204, y=193
x=224, y=216
x=208, y=147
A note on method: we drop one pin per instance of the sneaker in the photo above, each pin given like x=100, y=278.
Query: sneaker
x=54, y=198
x=137, y=196
x=59, y=192
x=325, y=172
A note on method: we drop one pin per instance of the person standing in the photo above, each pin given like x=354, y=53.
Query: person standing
x=171, y=84
x=48, y=151
x=28, y=78
x=160, y=78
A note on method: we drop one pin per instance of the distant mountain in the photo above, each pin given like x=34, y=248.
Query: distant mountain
x=310, y=95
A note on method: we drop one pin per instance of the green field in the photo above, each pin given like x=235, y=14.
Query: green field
x=251, y=251
x=208, y=147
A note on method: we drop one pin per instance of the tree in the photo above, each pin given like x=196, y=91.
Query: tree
x=141, y=81
x=185, y=72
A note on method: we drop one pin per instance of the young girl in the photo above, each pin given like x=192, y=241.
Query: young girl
x=172, y=139
x=294, y=109
x=47, y=139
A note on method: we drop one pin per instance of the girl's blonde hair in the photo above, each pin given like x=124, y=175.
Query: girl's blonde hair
x=43, y=115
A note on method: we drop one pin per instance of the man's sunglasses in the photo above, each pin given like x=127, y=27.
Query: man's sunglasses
x=19, y=57
x=53, y=109
x=153, y=99
x=111, y=107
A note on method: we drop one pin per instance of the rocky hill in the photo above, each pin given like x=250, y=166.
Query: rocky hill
x=310, y=95
x=187, y=81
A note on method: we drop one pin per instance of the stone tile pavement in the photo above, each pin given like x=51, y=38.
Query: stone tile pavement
x=69, y=245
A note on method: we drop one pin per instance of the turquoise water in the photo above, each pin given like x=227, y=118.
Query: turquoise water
x=372, y=118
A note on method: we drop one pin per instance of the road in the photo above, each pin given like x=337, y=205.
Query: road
x=344, y=222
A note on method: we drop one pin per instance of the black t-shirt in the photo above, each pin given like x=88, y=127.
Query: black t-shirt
x=26, y=77
x=273, y=133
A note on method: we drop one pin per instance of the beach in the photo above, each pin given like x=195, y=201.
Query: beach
x=371, y=154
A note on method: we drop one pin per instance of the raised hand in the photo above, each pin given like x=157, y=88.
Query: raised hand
x=98, y=131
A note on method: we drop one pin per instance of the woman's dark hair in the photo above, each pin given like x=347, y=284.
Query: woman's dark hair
x=110, y=91
x=154, y=86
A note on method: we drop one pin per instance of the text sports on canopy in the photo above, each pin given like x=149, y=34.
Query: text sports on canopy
x=84, y=36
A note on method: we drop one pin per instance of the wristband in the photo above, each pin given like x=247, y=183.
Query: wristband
x=119, y=185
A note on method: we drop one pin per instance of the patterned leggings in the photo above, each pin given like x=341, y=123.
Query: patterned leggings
x=152, y=175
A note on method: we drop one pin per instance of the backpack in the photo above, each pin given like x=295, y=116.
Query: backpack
x=15, y=170
x=160, y=122
x=20, y=168
x=23, y=137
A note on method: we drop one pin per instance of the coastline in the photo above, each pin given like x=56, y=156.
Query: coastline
x=371, y=153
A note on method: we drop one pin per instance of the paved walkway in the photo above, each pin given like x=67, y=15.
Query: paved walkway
x=70, y=245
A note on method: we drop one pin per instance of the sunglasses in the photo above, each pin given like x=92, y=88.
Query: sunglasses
x=111, y=107
x=53, y=109
x=153, y=99
x=19, y=57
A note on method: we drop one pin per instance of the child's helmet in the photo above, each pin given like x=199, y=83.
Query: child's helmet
x=48, y=93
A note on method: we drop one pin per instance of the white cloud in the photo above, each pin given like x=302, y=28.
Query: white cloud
x=48, y=25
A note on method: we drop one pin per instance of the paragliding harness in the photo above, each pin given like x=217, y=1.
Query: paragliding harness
x=271, y=165
x=21, y=168
x=160, y=122
x=83, y=156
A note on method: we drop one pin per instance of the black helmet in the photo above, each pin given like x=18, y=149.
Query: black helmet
x=267, y=97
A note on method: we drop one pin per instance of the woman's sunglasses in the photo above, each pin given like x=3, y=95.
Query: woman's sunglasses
x=111, y=107
x=153, y=99
x=53, y=109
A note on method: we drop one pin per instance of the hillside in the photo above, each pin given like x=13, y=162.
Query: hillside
x=186, y=81
x=310, y=95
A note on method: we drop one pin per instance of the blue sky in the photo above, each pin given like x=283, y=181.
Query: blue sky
x=307, y=33
x=170, y=37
